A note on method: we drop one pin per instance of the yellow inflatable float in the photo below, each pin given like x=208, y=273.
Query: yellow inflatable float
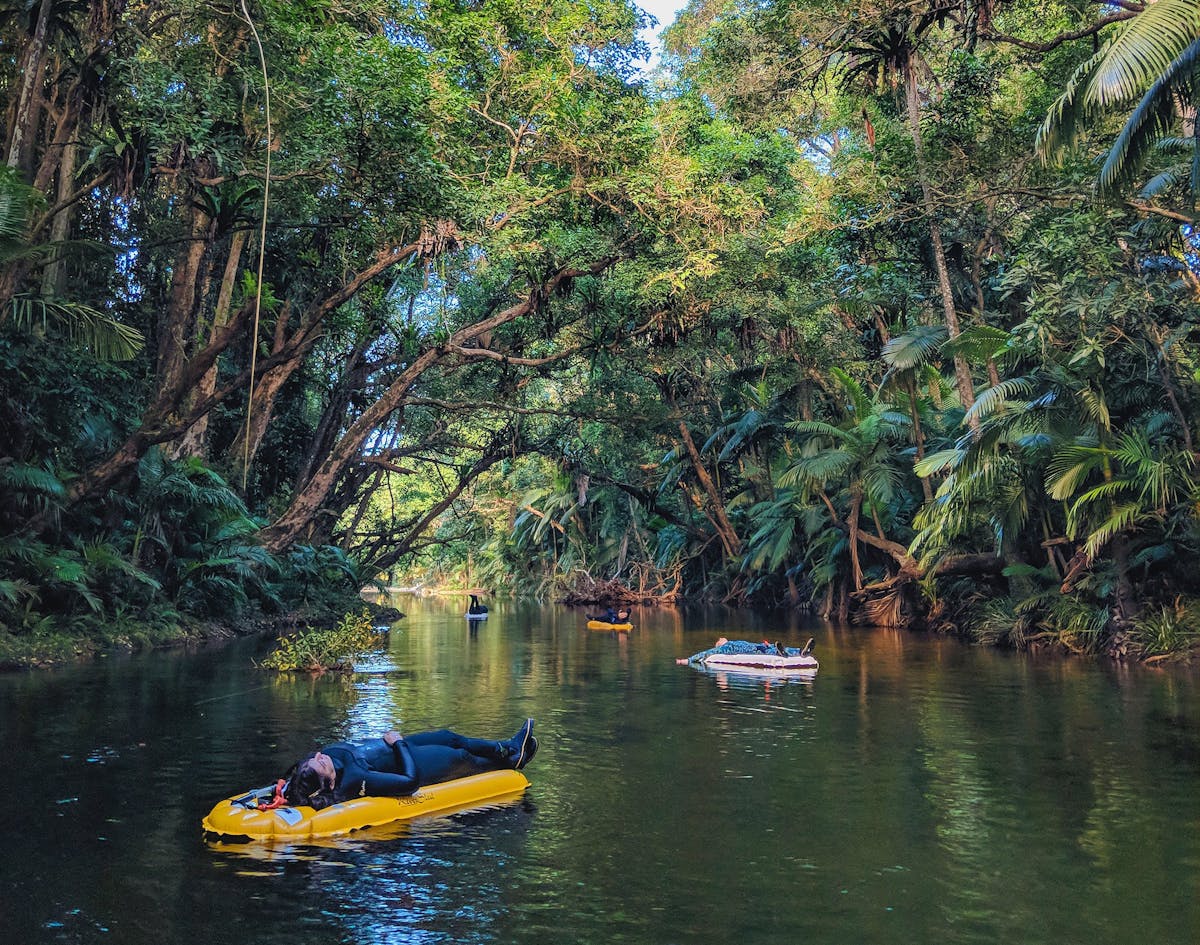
x=240, y=818
x=602, y=625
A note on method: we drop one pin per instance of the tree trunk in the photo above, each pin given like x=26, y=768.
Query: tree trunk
x=177, y=329
x=161, y=421
x=1155, y=336
x=164, y=419
x=918, y=435
x=1127, y=605
x=725, y=530
x=334, y=414
x=962, y=374
x=54, y=277
x=852, y=523
x=793, y=592
x=195, y=441
x=28, y=110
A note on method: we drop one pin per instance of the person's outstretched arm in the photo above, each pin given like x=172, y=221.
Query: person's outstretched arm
x=697, y=657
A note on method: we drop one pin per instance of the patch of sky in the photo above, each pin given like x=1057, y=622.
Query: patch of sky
x=127, y=288
x=662, y=14
x=426, y=298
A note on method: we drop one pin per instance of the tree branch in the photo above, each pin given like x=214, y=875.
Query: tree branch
x=1130, y=11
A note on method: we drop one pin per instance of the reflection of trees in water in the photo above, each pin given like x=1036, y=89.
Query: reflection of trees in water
x=969, y=819
x=442, y=880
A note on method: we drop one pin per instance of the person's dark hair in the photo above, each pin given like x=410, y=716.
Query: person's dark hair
x=304, y=787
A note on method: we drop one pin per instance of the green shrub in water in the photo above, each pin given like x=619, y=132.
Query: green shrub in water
x=319, y=650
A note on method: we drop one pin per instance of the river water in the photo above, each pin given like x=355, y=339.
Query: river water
x=915, y=790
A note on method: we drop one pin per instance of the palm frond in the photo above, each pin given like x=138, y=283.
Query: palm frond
x=19, y=477
x=977, y=343
x=820, y=428
x=1067, y=116
x=1104, y=490
x=816, y=469
x=938, y=462
x=83, y=326
x=15, y=590
x=1148, y=46
x=991, y=399
x=1096, y=407
x=858, y=397
x=1164, y=181
x=1150, y=120
x=1120, y=518
x=102, y=559
x=915, y=347
x=1133, y=449
x=881, y=480
x=16, y=199
x=1068, y=467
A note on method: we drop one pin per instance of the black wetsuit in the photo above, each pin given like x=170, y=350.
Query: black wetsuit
x=374, y=768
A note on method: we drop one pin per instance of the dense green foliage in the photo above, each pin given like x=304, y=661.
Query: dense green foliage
x=324, y=649
x=807, y=317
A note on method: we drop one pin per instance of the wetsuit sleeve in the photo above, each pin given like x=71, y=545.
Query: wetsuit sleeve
x=405, y=780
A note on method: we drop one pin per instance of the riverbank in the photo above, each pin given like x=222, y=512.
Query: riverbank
x=87, y=639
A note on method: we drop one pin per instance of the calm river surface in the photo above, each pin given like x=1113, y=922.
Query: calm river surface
x=915, y=791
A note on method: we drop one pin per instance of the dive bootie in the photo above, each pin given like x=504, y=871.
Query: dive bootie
x=522, y=746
